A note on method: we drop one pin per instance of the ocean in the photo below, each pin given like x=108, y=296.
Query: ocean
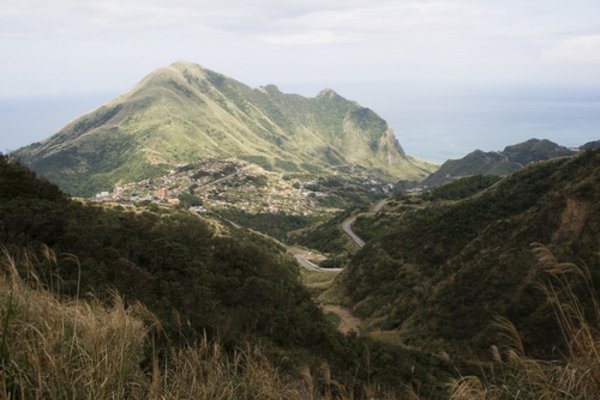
x=431, y=124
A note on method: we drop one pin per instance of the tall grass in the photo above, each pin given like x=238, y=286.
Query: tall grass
x=576, y=375
x=52, y=348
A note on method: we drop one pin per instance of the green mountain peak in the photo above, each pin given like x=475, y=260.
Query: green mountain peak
x=185, y=112
x=328, y=93
x=496, y=163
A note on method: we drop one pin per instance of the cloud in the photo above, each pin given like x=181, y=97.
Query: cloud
x=312, y=38
x=329, y=40
x=575, y=50
x=87, y=18
x=375, y=21
x=287, y=22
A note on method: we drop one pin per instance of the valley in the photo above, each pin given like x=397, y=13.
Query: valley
x=370, y=274
x=300, y=200
x=295, y=233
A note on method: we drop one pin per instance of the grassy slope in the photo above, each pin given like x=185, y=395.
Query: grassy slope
x=199, y=278
x=57, y=348
x=440, y=274
x=221, y=281
x=184, y=112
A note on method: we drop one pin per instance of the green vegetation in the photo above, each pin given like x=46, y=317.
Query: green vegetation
x=184, y=112
x=261, y=161
x=576, y=374
x=54, y=349
x=274, y=225
x=310, y=204
x=153, y=298
x=438, y=273
x=344, y=192
x=594, y=145
x=148, y=287
x=177, y=264
x=317, y=282
x=511, y=159
x=333, y=319
x=334, y=262
x=326, y=236
x=535, y=150
x=189, y=200
x=462, y=188
x=51, y=347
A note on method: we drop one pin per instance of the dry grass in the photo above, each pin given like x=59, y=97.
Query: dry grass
x=78, y=349
x=206, y=372
x=51, y=348
x=517, y=376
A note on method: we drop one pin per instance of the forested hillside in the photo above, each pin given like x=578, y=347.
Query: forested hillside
x=201, y=279
x=215, y=279
x=496, y=163
x=438, y=269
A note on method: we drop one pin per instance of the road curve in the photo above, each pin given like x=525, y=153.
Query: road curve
x=347, y=224
x=347, y=227
x=313, y=267
x=301, y=255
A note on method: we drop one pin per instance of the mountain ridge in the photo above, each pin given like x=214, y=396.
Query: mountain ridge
x=186, y=112
x=498, y=163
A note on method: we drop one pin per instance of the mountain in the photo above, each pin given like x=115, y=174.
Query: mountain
x=436, y=274
x=497, y=163
x=184, y=113
x=595, y=145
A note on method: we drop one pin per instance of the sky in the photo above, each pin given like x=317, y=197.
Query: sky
x=448, y=75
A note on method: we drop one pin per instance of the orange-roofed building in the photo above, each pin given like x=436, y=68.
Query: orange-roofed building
x=162, y=193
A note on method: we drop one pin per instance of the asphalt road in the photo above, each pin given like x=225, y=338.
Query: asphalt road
x=347, y=224
x=300, y=256
x=347, y=227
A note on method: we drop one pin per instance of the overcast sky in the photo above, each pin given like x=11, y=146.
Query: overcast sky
x=380, y=53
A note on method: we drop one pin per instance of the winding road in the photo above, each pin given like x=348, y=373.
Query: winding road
x=347, y=227
x=348, y=322
x=301, y=257
x=347, y=224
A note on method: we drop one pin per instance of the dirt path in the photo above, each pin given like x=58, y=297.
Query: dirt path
x=348, y=322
